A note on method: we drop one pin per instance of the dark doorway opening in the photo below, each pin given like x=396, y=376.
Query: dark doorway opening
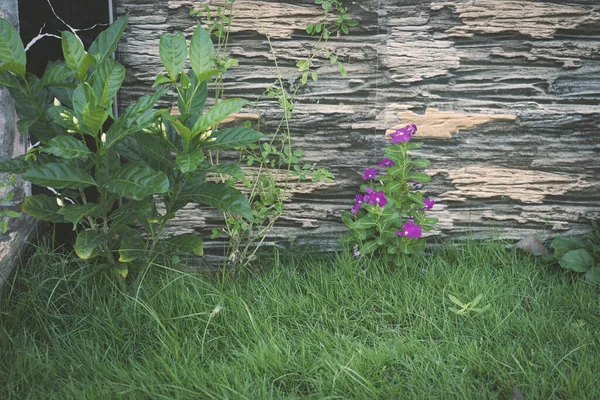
x=79, y=14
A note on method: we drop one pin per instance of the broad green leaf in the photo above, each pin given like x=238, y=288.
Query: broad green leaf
x=108, y=78
x=161, y=80
x=16, y=165
x=54, y=113
x=94, y=117
x=137, y=181
x=136, y=117
x=172, y=50
x=59, y=176
x=56, y=74
x=84, y=66
x=183, y=130
x=11, y=47
x=191, y=101
x=67, y=147
x=10, y=81
x=15, y=67
x=132, y=245
x=128, y=213
x=419, y=177
x=73, y=50
x=43, y=207
x=223, y=169
x=73, y=213
x=148, y=149
x=187, y=243
x=4, y=226
x=218, y=195
x=106, y=42
x=563, y=244
x=368, y=247
x=218, y=113
x=88, y=244
x=593, y=274
x=577, y=260
x=420, y=162
x=202, y=52
x=230, y=138
x=189, y=161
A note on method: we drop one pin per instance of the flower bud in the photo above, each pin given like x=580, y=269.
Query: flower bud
x=75, y=120
x=71, y=131
x=163, y=127
x=56, y=102
x=59, y=202
x=65, y=115
x=103, y=137
x=146, y=130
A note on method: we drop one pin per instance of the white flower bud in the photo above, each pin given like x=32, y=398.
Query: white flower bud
x=71, y=131
x=59, y=202
x=103, y=137
x=75, y=120
x=163, y=127
x=56, y=102
x=65, y=115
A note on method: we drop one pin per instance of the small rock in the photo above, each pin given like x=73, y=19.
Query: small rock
x=531, y=245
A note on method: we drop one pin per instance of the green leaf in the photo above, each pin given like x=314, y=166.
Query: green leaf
x=17, y=165
x=419, y=177
x=148, y=149
x=43, y=207
x=10, y=81
x=94, y=117
x=128, y=213
x=137, y=181
x=67, y=147
x=223, y=169
x=366, y=222
x=11, y=47
x=456, y=301
x=189, y=162
x=191, y=101
x=73, y=50
x=56, y=74
x=183, y=130
x=577, y=260
x=84, y=66
x=368, y=247
x=73, y=213
x=4, y=226
x=160, y=80
x=15, y=67
x=132, y=245
x=202, y=52
x=218, y=195
x=59, y=176
x=12, y=213
x=230, y=138
x=593, y=274
x=108, y=78
x=563, y=244
x=218, y=113
x=136, y=117
x=187, y=243
x=87, y=244
x=172, y=50
x=106, y=42
x=420, y=163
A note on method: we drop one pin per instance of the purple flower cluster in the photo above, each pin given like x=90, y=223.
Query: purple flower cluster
x=386, y=162
x=410, y=230
x=372, y=197
x=404, y=134
x=369, y=173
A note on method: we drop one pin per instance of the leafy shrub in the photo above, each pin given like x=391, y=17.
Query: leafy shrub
x=120, y=186
x=580, y=254
x=389, y=215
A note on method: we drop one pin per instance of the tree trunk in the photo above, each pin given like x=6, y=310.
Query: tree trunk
x=12, y=144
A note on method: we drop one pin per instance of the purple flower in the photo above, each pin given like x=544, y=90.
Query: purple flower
x=386, y=162
x=369, y=190
x=400, y=136
x=412, y=129
x=378, y=198
x=416, y=185
x=367, y=198
x=358, y=198
x=369, y=173
x=428, y=203
x=410, y=230
x=355, y=209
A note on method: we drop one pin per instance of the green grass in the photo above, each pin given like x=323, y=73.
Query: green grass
x=321, y=327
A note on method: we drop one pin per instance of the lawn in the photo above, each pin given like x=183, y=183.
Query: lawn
x=321, y=326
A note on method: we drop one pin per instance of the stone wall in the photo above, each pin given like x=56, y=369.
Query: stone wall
x=506, y=95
